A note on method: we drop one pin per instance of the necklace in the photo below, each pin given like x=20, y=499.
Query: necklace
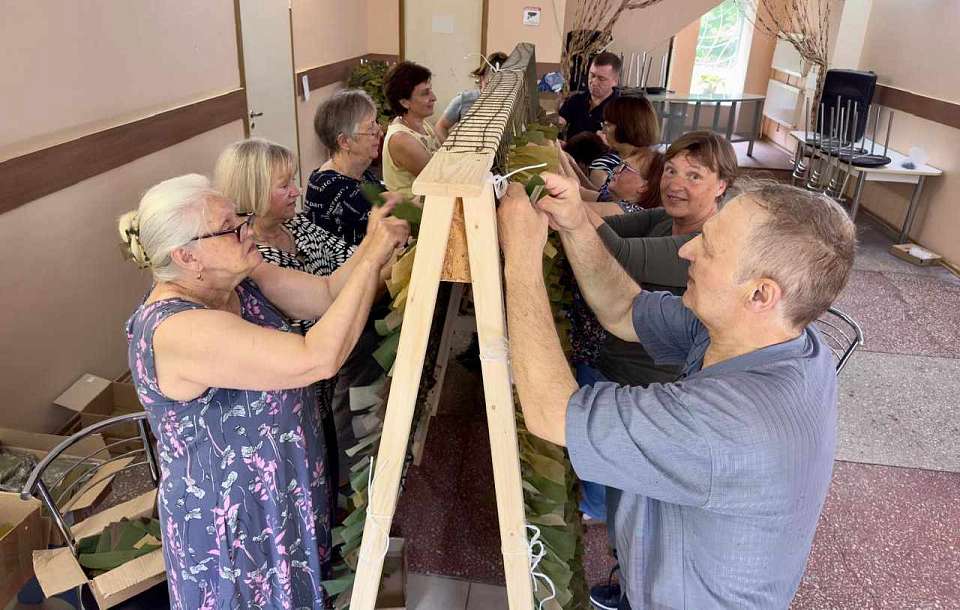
x=421, y=131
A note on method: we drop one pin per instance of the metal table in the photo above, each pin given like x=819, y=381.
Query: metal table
x=892, y=172
x=674, y=108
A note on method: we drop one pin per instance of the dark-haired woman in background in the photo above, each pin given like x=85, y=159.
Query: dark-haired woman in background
x=410, y=139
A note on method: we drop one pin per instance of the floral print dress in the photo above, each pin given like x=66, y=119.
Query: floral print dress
x=242, y=498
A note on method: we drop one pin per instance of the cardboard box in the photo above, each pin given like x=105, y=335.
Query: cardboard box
x=57, y=570
x=915, y=254
x=30, y=533
x=94, y=399
x=39, y=445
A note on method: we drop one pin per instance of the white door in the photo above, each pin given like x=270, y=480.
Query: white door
x=440, y=34
x=268, y=70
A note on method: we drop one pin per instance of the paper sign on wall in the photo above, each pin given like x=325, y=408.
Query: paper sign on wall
x=443, y=24
x=531, y=15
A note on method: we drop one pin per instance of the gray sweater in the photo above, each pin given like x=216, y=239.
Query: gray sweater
x=643, y=244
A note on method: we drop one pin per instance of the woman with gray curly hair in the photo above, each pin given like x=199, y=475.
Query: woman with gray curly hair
x=225, y=383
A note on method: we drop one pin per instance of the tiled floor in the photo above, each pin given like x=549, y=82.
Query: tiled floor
x=889, y=535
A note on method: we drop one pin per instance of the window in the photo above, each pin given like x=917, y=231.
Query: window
x=723, y=49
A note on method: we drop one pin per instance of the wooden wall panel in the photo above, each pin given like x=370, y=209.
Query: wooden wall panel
x=39, y=173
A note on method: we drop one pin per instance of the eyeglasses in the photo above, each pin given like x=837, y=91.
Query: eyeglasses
x=379, y=130
x=247, y=219
x=624, y=166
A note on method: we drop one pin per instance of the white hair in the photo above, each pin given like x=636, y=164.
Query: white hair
x=169, y=216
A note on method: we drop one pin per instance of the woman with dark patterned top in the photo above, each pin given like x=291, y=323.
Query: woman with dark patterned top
x=258, y=176
x=346, y=124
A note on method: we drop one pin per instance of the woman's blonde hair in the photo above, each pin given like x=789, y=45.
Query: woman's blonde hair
x=169, y=216
x=245, y=172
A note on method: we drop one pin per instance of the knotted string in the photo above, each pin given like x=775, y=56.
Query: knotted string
x=382, y=522
x=500, y=182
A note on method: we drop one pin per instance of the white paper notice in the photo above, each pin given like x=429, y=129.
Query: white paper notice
x=443, y=24
x=531, y=15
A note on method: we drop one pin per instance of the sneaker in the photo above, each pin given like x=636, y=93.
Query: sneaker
x=605, y=597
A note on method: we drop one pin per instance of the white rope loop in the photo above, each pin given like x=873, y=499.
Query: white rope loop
x=537, y=551
x=500, y=182
x=382, y=522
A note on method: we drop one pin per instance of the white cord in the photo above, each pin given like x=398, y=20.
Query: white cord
x=500, y=182
x=537, y=552
x=377, y=520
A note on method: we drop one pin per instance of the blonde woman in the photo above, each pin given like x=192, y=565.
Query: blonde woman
x=225, y=381
x=258, y=176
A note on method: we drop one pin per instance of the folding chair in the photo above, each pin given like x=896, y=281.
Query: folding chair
x=138, y=447
x=841, y=333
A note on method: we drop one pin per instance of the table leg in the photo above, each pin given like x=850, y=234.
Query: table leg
x=755, y=132
x=855, y=204
x=911, y=211
x=731, y=120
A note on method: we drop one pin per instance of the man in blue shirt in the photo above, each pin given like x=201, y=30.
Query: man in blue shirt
x=719, y=477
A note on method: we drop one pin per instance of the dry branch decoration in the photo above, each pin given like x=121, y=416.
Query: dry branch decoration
x=590, y=17
x=805, y=24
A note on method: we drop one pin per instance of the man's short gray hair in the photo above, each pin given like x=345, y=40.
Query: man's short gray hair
x=340, y=114
x=806, y=243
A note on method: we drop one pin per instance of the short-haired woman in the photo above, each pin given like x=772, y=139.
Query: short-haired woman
x=225, y=381
x=346, y=124
x=410, y=139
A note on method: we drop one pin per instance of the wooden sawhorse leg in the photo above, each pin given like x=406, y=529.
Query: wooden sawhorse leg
x=483, y=245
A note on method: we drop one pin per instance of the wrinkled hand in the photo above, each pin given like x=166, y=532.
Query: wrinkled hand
x=387, y=235
x=563, y=206
x=379, y=213
x=523, y=228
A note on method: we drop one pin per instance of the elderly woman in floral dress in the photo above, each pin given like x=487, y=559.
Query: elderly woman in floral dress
x=225, y=383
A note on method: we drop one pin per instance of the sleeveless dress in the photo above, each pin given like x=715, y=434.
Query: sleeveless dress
x=242, y=498
x=397, y=179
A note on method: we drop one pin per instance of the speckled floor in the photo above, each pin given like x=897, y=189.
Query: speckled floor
x=889, y=535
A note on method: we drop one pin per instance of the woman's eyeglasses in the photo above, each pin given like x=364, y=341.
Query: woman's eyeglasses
x=623, y=166
x=377, y=131
x=247, y=219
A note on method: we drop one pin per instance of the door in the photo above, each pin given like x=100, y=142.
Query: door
x=441, y=35
x=268, y=71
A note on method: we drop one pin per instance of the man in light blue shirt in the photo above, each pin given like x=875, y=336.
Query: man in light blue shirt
x=719, y=477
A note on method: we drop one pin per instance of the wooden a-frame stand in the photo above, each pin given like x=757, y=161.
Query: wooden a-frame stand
x=443, y=253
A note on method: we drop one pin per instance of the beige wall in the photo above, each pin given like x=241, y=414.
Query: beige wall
x=684, y=56
x=505, y=27
x=319, y=38
x=446, y=53
x=383, y=26
x=69, y=67
x=913, y=46
x=326, y=31
x=66, y=289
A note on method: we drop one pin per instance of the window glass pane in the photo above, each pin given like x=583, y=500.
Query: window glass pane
x=720, y=62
